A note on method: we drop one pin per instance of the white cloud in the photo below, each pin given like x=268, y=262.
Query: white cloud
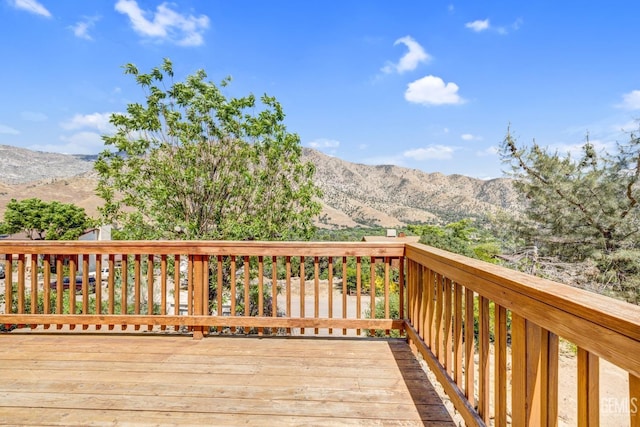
x=34, y=116
x=489, y=151
x=470, y=137
x=327, y=146
x=8, y=130
x=575, y=150
x=363, y=146
x=81, y=28
x=324, y=143
x=478, y=25
x=78, y=143
x=166, y=24
x=98, y=121
x=411, y=59
x=438, y=152
x=431, y=90
x=31, y=6
x=631, y=100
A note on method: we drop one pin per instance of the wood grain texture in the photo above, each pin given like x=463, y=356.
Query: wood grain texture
x=114, y=379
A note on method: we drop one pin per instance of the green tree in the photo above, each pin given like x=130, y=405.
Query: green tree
x=45, y=220
x=582, y=210
x=577, y=206
x=194, y=164
x=460, y=237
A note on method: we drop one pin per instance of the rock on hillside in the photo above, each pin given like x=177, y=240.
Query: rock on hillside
x=354, y=194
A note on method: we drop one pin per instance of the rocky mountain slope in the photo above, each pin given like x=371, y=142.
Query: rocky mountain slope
x=354, y=194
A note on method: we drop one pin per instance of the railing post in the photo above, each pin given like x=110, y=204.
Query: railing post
x=198, y=289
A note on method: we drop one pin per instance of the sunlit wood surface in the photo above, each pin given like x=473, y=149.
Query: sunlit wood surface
x=111, y=379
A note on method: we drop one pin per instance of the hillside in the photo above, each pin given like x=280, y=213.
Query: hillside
x=354, y=194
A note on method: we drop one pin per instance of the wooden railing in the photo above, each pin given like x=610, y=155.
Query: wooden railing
x=203, y=285
x=460, y=309
x=490, y=335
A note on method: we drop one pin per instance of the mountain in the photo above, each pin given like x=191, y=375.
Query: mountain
x=353, y=194
x=357, y=194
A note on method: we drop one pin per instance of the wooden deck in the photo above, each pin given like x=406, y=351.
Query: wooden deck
x=144, y=379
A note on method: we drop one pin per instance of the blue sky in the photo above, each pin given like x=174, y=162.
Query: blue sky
x=422, y=84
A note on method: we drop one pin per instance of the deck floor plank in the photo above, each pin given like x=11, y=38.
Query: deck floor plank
x=108, y=379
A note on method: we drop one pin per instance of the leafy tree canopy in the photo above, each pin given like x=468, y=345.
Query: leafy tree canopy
x=578, y=206
x=43, y=220
x=460, y=237
x=193, y=164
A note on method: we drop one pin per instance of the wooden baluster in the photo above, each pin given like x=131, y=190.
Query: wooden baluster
x=437, y=324
x=316, y=290
x=163, y=287
x=98, y=308
x=219, y=267
x=430, y=340
x=274, y=289
x=21, y=286
x=176, y=286
x=46, y=266
x=247, y=284
x=500, y=360
x=111, y=285
x=534, y=374
x=588, y=389
x=8, y=286
x=372, y=291
x=483, y=351
x=136, y=287
x=124, y=285
x=423, y=296
x=260, y=290
x=85, y=285
x=344, y=291
x=469, y=363
x=150, y=280
x=72, y=287
x=59, y=286
x=330, y=291
x=205, y=291
x=448, y=344
x=634, y=401
x=302, y=297
x=550, y=361
x=401, y=292
x=358, y=290
x=387, y=314
x=458, y=316
x=34, y=285
x=234, y=300
x=288, y=291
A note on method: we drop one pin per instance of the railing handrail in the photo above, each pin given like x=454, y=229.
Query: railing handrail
x=204, y=247
x=600, y=324
x=619, y=316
